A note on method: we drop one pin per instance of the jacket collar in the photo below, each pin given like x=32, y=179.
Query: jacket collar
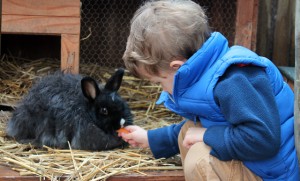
x=192, y=70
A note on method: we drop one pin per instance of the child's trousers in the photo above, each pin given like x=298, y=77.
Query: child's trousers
x=199, y=165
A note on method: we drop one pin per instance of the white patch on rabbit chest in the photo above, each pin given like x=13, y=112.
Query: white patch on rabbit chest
x=122, y=122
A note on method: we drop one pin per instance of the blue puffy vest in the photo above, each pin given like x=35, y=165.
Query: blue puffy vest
x=193, y=99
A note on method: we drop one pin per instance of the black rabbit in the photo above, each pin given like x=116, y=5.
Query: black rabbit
x=67, y=107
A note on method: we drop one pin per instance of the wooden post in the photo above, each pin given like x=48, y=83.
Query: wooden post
x=70, y=53
x=284, y=30
x=297, y=77
x=246, y=23
x=0, y=23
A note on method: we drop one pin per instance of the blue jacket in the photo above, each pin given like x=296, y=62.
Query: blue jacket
x=193, y=98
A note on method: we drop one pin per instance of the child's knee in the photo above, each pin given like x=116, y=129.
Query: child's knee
x=200, y=165
x=194, y=169
x=195, y=156
x=197, y=163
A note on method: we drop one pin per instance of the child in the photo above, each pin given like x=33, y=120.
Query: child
x=238, y=110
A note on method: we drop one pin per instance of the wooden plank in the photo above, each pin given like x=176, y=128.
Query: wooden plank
x=264, y=29
x=246, y=23
x=276, y=29
x=6, y=174
x=297, y=78
x=283, y=34
x=42, y=7
x=254, y=25
x=151, y=176
x=0, y=24
x=40, y=25
x=70, y=53
x=288, y=74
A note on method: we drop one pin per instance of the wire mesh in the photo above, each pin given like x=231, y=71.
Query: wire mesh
x=105, y=27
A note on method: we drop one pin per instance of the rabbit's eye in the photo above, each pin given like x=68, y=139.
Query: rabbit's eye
x=103, y=110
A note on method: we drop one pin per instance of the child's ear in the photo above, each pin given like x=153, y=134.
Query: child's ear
x=176, y=64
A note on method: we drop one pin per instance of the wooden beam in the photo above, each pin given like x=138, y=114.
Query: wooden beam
x=69, y=8
x=0, y=24
x=284, y=30
x=7, y=174
x=297, y=78
x=70, y=53
x=246, y=23
x=47, y=25
x=169, y=175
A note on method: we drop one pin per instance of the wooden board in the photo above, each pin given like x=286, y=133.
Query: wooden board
x=297, y=78
x=276, y=31
x=45, y=25
x=69, y=8
x=284, y=30
x=246, y=23
x=70, y=52
x=288, y=74
x=6, y=174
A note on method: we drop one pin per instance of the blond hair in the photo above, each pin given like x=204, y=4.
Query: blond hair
x=162, y=31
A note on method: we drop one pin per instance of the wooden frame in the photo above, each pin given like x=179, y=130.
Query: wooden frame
x=50, y=18
x=55, y=17
x=6, y=174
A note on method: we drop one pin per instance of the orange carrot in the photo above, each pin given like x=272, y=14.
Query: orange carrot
x=123, y=130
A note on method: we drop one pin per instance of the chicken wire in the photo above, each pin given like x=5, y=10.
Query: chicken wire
x=105, y=27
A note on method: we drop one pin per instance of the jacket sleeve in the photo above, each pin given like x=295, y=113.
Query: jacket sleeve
x=247, y=102
x=163, y=141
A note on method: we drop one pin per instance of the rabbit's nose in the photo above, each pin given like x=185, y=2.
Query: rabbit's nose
x=122, y=122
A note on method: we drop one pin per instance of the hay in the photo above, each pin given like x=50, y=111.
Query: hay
x=17, y=76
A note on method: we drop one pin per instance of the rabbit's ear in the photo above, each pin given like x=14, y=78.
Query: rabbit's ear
x=114, y=82
x=89, y=88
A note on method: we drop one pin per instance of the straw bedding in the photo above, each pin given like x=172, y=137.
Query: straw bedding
x=17, y=76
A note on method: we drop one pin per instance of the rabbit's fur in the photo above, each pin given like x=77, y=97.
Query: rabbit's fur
x=67, y=107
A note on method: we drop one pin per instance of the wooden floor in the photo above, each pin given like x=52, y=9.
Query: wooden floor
x=6, y=174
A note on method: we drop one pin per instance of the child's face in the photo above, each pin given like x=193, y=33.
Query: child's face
x=165, y=79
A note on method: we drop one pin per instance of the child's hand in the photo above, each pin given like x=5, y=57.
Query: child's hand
x=192, y=136
x=136, y=137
